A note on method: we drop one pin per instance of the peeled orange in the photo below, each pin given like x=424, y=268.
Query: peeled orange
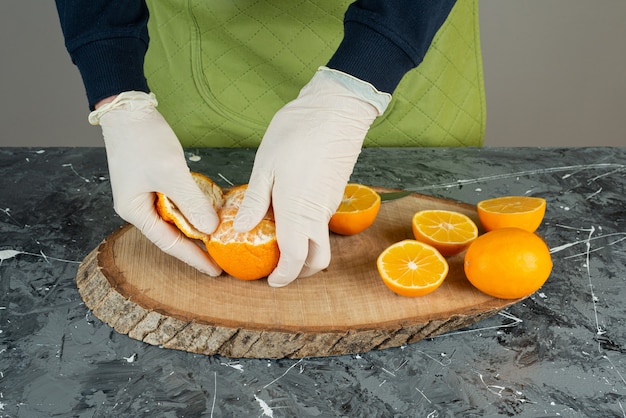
x=448, y=231
x=511, y=211
x=244, y=255
x=508, y=263
x=357, y=210
x=247, y=256
x=412, y=268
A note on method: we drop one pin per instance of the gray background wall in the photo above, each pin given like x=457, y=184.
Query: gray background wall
x=555, y=75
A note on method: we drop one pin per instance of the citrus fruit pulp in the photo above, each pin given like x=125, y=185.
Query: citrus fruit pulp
x=523, y=212
x=508, y=263
x=448, y=231
x=357, y=211
x=412, y=268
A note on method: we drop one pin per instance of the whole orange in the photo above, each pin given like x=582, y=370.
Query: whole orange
x=508, y=263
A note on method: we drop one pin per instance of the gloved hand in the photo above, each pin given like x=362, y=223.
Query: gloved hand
x=145, y=157
x=303, y=164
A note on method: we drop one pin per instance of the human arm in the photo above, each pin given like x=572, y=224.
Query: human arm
x=383, y=39
x=107, y=41
x=309, y=149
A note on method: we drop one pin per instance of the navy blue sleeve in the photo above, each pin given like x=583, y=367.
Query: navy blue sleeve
x=107, y=40
x=384, y=39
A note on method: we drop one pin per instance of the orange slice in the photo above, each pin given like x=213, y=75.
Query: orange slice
x=170, y=213
x=512, y=211
x=449, y=232
x=412, y=268
x=508, y=263
x=357, y=210
x=244, y=255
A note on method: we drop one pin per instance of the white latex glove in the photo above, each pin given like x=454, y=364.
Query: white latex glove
x=145, y=157
x=303, y=164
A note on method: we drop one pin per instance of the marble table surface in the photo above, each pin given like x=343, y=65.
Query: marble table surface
x=559, y=353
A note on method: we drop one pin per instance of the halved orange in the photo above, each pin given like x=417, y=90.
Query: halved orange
x=170, y=213
x=412, y=268
x=523, y=212
x=357, y=210
x=448, y=231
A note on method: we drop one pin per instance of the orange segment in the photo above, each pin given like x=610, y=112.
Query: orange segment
x=449, y=232
x=246, y=255
x=512, y=211
x=170, y=213
x=412, y=268
x=508, y=263
x=357, y=210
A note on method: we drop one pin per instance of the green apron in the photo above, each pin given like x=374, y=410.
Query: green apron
x=221, y=69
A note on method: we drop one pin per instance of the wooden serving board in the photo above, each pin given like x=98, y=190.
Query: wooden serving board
x=140, y=291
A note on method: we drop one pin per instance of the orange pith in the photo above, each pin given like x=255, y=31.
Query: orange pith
x=449, y=232
x=244, y=255
x=412, y=268
x=170, y=213
x=508, y=263
x=511, y=211
x=248, y=255
x=357, y=210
